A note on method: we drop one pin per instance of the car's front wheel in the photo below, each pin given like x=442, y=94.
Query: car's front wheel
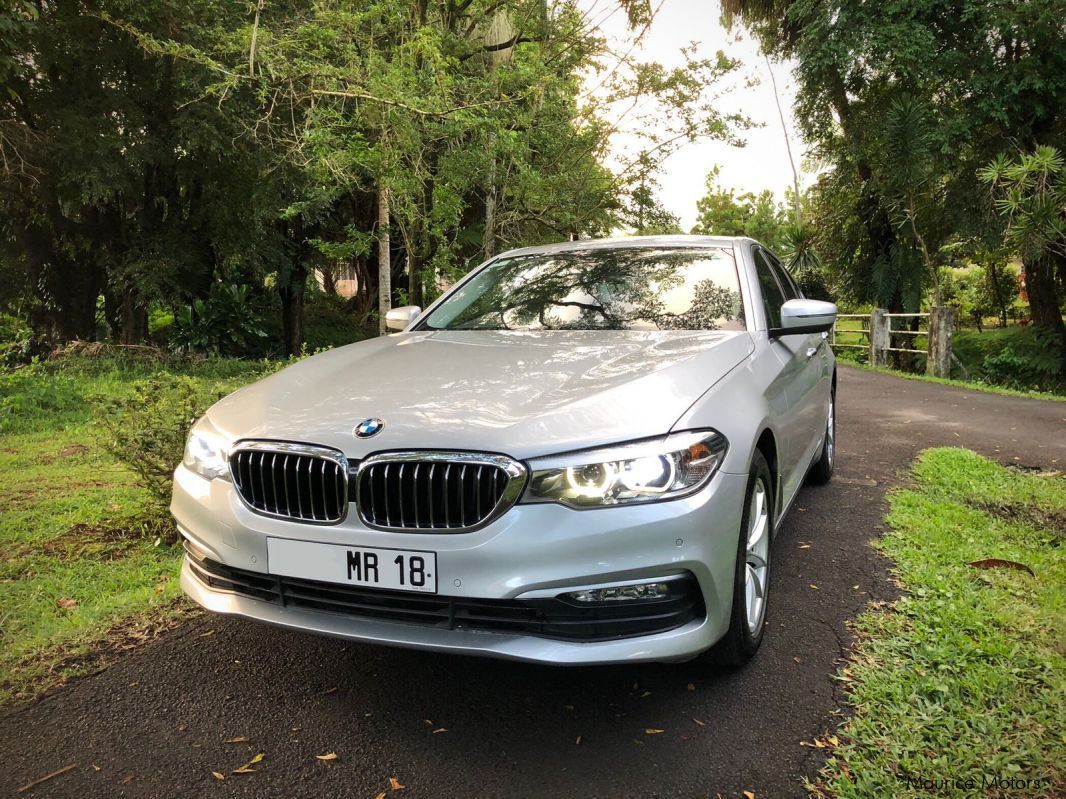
x=751, y=581
x=822, y=471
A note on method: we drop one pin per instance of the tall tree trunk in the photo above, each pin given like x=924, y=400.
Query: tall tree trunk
x=488, y=241
x=798, y=209
x=1041, y=288
x=384, y=261
x=134, y=320
x=291, y=292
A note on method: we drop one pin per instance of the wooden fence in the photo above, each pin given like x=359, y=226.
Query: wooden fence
x=883, y=336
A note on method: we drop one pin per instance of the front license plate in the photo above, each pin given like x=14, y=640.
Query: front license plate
x=397, y=569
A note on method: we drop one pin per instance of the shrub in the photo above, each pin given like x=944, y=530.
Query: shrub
x=18, y=344
x=30, y=392
x=226, y=323
x=146, y=429
x=1036, y=369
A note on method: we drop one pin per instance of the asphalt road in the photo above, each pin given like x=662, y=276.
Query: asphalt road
x=155, y=724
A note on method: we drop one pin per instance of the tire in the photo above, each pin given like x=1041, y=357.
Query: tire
x=822, y=470
x=747, y=625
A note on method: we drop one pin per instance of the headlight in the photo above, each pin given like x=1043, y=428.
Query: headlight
x=205, y=451
x=644, y=471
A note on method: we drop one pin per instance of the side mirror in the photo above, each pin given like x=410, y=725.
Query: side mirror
x=805, y=316
x=400, y=318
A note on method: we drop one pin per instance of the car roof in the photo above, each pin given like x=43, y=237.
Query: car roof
x=653, y=242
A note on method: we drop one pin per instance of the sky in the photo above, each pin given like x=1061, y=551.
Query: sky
x=761, y=164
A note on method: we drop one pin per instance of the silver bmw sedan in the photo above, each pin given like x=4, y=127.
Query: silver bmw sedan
x=579, y=454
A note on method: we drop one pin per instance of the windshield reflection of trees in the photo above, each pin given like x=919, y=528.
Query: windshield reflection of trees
x=620, y=289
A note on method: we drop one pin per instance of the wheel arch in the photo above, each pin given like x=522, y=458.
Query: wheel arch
x=766, y=444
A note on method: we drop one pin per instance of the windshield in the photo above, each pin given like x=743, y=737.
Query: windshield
x=625, y=288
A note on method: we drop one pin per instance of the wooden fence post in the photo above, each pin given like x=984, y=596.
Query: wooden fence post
x=880, y=337
x=941, y=326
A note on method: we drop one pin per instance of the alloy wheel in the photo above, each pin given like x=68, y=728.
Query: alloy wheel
x=757, y=557
x=831, y=433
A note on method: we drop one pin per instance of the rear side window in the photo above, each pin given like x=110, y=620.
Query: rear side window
x=772, y=295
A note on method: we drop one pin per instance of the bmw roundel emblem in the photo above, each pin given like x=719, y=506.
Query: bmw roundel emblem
x=368, y=428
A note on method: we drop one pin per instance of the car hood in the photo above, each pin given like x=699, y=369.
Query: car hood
x=517, y=393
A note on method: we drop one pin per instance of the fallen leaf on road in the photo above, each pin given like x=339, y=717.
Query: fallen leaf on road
x=646, y=693
x=653, y=731
x=67, y=604
x=439, y=729
x=692, y=686
x=218, y=775
x=395, y=784
x=749, y=794
x=209, y=632
x=796, y=659
x=568, y=707
x=327, y=756
x=805, y=546
x=814, y=586
x=429, y=722
x=578, y=741
x=95, y=767
x=380, y=795
x=991, y=563
x=247, y=767
x=701, y=723
x=328, y=691
x=238, y=740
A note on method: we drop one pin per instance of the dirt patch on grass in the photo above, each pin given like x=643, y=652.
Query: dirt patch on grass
x=41, y=672
x=1051, y=521
x=67, y=453
x=99, y=542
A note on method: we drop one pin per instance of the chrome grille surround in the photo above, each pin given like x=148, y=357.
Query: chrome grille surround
x=279, y=479
x=440, y=485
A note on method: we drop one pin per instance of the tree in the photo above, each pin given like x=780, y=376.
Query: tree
x=1030, y=193
x=998, y=283
x=644, y=212
x=128, y=186
x=981, y=74
x=721, y=212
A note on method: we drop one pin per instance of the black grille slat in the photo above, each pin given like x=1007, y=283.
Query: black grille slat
x=547, y=618
x=291, y=484
x=437, y=494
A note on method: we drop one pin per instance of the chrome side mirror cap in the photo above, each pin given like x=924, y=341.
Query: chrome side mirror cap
x=400, y=318
x=805, y=316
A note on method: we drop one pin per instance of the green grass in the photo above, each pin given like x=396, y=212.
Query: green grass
x=78, y=534
x=964, y=678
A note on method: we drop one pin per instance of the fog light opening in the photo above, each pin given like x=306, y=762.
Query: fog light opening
x=621, y=593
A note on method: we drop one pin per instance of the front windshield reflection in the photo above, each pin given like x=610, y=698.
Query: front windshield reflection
x=600, y=289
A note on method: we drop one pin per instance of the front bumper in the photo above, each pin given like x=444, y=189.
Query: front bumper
x=529, y=555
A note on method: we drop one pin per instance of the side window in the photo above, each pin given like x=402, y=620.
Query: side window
x=772, y=296
x=789, y=286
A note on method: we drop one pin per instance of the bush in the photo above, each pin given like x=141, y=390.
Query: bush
x=30, y=392
x=146, y=429
x=1041, y=371
x=226, y=323
x=1016, y=357
x=18, y=344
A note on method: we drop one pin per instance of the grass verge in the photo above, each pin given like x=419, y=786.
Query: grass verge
x=967, y=384
x=83, y=571
x=959, y=688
